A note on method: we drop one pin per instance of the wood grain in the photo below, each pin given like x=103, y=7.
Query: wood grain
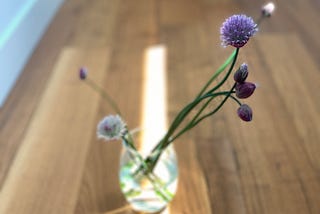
x=51, y=161
x=20, y=106
x=55, y=146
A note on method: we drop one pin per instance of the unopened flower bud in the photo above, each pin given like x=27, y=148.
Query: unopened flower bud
x=241, y=74
x=83, y=73
x=268, y=9
x=245, y=90
x=245, y=112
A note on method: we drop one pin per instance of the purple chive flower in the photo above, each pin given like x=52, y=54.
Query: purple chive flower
x=111, y=128
x=245, y=90
x=83, y=73
x=245, y=112
x=241, y=74
x=236, y=30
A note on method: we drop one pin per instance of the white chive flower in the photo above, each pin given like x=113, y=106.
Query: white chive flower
x=111, y=128
x=268, y=9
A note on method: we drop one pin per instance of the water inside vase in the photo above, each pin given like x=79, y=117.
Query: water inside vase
x=150, y=193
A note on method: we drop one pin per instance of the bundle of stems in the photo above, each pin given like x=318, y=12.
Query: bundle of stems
x=204, y=98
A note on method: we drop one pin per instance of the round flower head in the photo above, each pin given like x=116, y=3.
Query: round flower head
x=237, y=30
x=111, y=128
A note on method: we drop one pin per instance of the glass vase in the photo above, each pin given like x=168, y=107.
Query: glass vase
x=148, y=192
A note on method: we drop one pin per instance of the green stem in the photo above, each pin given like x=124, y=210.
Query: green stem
x=219, y=85
x=232, y=58
x=211, y=97
x=193, y=123
x=153, y=158
x=216, y=109
x=235, y=99
x=219, y=70
x=260, y=19
x=185, y=111
x=228, y=73
x=235, y=55
x=206, y=104
x=154, y=179
x=104, y=95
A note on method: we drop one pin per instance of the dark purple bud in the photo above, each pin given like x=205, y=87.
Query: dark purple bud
x=245, y=112
x=241, y=74
x=245, y=90
x=83, y=73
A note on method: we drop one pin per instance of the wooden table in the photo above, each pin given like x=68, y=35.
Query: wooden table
x=51, y=161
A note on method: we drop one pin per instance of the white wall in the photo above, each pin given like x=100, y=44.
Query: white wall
x=22, y=23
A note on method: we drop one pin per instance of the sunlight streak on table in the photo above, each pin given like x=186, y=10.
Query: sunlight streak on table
x=154, y=107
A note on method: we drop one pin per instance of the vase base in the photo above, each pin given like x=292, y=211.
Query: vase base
x=148, y=207
x=138, y=210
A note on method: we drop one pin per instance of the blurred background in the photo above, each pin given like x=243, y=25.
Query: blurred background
x=48, y=118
